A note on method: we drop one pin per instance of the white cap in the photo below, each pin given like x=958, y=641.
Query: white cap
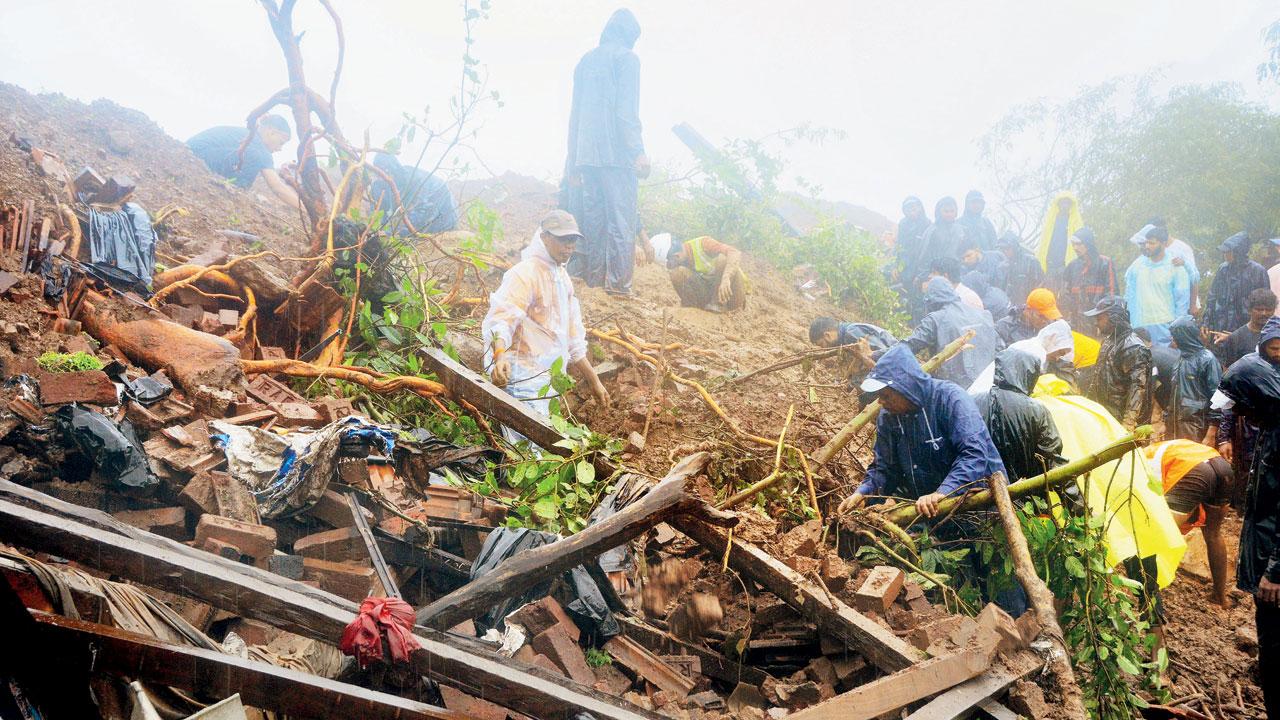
x=873, y=385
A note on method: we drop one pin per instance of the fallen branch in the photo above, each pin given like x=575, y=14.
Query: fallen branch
x=669, y=498
x=769, y=480
x=373, y=380
x=869, y=413
x=788, y=362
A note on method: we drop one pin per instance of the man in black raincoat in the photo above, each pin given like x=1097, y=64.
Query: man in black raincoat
x=1023, y=272
x=1253, y=385
x=1121, y=380
x=977, y=228
x=1227, y=305
x=947, y=320
x=606, y=156
x=1087, y=279
x=909, y=247
x=1195, y=377
x=945, y=236
x=1022, y=429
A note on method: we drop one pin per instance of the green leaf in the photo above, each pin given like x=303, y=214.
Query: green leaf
x=1126, y=665
x=546, y=508
x=586, y=472
x=1074, y=566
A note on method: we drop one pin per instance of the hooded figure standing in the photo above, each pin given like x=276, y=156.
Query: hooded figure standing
x=606, y=156
x=977, y=228
x=909, y=248
x=1195, y=377
x=1227, y=306
x=1061, y=221
x=945, y=236
x=1021, y=428
x=1121, y=380
x=1253, y=386
x=1087, y=279
x=947, y=320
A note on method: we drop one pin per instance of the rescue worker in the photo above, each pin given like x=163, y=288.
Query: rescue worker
x=950, y=268
x=826, y=332
x=1156, y=289
x=1061, y=221
x=1227, y=308
x=535, y=321
x=1198, y=484
x=1022, y=270
x=1121, y=381
x=1087, y=278
x=909, y=247
x=993, y=298
x=606, y=156
x=947, y=320
x=707, y=274
x=978, y=229
x=1021, y=428
x=1253, y=386
x=945, y=236
x=1195, y=378
x=1054, y=334
x=219, y=148
x=1261, y=304
x=425, y=200
x=989, y=262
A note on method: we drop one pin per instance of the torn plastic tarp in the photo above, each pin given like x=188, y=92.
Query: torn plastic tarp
x=115, y=450
x=143, y=390
x=589, y=609
x=56, y=275
x=288, y=474
x=124, y=239
x=425, y=455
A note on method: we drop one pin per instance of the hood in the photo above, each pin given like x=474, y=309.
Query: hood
x=1270, y=331
x=622, y=29
x=1017, y=371
x=976, y=282
x=973, y=195
x=1086, y=237
x=1141, y=236
x=1008, y=240
x=911, y=200
x=536, y=249
x=1186, y=333
x=937, y=208
x=900, y=370
x=939, y=292
x=1238, y=244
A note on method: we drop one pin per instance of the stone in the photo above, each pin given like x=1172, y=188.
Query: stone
x=880, y=589
x=542, y=615
x=290, y=566
x=171, y=522
x=997, y=629
x=635, y=443
x=835, y=572
x=802, y=695
x=1247, y=639
x=565, y=652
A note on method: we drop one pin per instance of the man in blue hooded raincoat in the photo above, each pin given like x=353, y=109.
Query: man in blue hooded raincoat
x=606, y=156
x=947, y=320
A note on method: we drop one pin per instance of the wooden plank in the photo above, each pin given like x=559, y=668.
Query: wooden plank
x=962, y=700
x=714, y=665
x=649, y=666
x=214, y=674
x=877, y=644
x=466, y=384
x=529, y=568
x=901, y=688
x=291, y=606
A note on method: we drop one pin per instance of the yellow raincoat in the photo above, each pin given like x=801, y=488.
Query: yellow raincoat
x=1138, y=521
x=1074, y=223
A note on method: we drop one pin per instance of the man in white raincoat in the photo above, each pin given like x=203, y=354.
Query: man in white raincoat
x=534, y=318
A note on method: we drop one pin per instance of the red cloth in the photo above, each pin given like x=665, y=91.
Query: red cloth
x=380, y=617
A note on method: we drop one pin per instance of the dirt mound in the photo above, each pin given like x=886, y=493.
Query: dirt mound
x=114, y=140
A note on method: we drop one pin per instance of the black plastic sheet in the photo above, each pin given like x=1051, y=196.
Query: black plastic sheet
x=114, y=450
x=124, y=239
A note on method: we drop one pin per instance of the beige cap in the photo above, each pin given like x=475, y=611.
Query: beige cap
x=561, y=224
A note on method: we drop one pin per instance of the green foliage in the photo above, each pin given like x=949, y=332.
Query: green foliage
x=68, y=362
x=1199, y=155
x=598, y=658
x=733, y=198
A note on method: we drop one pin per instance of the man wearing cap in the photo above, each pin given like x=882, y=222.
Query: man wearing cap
x=1226, y=308
x=707, y=274
x=535, y=320
x=1156, y=289
x=1054, y=334
x=219, y=148
x=1121, y=380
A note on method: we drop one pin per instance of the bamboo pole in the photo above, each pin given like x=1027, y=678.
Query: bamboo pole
x=869, y=413
x=905, y=515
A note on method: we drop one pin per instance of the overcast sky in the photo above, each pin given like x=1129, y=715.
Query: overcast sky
x=913, y=84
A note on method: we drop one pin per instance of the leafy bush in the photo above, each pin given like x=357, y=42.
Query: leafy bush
x=68, y=362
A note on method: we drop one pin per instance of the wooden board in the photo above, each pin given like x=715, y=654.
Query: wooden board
x=899, y=689
x=291, y=606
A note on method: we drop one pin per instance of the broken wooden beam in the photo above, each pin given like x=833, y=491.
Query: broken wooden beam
x=389, y=587
x=78, y=534
x=214, y=674
x=714, y=665
x=667, y=499
x=902, y=688
x=877, y=644
x=960, y=701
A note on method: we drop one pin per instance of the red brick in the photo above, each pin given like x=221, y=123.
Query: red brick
x=220, y=548
x=254, y=632
x=565, y=653
x=253, y=540
x=293, y=414
x=332, y=509
x=343, y=579
x=341, y=545
x=89, y=386
x=472, y=707
x=880, y=589
x=170, y=522
x=539, y=616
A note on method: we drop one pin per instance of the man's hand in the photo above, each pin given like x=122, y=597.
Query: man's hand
x=725, y=291
x=642, y=166
x=927, y=505
x=852, y=502
x=1226, y=451
x=1177, y=260
x=1268, y=592
x=501, y=371
x=601, y=395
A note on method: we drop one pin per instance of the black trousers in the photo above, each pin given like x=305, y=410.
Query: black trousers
x=1268, y=616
